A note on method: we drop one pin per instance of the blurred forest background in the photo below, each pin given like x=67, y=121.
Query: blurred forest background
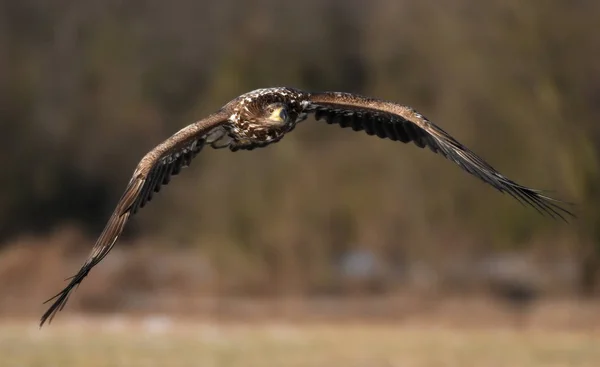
x=87, y=87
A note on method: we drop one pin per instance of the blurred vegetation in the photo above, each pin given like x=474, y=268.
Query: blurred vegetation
x=178, y=343
x=87, y=87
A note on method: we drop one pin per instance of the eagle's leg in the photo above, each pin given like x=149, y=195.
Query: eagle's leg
x=250, y=145
x=219, y=139
x=222, y=143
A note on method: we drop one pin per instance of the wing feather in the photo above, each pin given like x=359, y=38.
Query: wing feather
x=153, y=171
x=397, y=122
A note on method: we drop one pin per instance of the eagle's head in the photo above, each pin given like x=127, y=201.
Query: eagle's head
x=274, y=115
x=267, y=114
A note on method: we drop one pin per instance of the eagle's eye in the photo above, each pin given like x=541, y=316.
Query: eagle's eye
x=278, y=114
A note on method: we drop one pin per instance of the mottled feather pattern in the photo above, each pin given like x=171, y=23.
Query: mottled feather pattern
x=242, y=124
x=250, y=132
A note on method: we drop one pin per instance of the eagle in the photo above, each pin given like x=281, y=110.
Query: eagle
x=262, y=117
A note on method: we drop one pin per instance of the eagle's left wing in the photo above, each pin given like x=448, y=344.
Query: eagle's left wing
x=397, y=122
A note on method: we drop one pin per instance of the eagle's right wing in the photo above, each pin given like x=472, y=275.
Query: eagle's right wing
x=153, y=171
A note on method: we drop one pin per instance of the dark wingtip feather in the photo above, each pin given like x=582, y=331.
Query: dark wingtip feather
x=547, y=205
x=470, y=162
x=61, y=298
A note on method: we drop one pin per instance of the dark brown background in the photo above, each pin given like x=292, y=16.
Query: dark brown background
x=327, y=215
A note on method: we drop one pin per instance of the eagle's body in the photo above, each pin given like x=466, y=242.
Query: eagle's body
x=247, y=132
x=262, y=117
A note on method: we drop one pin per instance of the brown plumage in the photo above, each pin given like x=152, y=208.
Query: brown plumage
x=262, y=117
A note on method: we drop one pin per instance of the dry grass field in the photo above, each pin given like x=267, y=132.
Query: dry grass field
x=163, y=342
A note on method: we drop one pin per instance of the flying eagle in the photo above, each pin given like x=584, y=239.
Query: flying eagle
x=262, y=117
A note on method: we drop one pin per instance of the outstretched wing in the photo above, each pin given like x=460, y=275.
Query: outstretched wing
x=154, y=170
x=402, y=123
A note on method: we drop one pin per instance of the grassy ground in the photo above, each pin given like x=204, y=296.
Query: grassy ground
x=161, y=342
